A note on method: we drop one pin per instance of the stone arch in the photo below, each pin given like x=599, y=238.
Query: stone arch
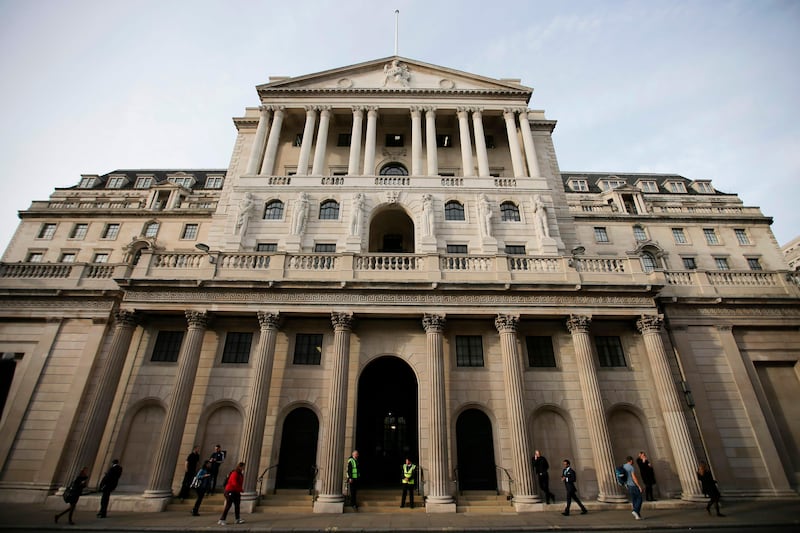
x=476, y=448
x=298, y=447
x=551, y=434
x=139, y=436
x=391, y=229
x=221, y=423
x=628, y=431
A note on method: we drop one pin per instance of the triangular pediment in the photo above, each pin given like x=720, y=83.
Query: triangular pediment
x=392, y=74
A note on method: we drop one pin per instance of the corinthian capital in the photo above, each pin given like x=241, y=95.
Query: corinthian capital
x=650, y=323
x=268, y=320
x=433, y=323
x=506, y=323
x=124, y=317
x=579, y=323
x=342, y=321
x=198, y=319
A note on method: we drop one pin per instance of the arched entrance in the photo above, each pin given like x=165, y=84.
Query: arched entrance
x=391, y=231
x=387, y=420
x=298, y=451
x=476, y=468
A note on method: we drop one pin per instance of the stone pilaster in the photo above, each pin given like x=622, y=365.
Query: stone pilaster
x=254, y=163
x=416, y=141
x=480, y=143
x=467, y=165
x=322, y=141
x=369, y=144
x=527, y=142
x=524, y=489
x=595, y=414
x=308, y=140
x=355, y=141
x=331, y=499
x=268, y=165
x=513, y=142
x=430, y=141
x=440, y=498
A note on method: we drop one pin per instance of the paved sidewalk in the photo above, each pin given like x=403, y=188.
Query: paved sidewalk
x=763, y=514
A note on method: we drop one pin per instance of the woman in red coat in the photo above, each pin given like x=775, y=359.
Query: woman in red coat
x=233, y=494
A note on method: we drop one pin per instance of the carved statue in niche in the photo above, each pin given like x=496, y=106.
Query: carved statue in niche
x=245, y=209
x=300, y=214
x=485, y=216
x=356, y=218
x=427, y=215
x=540, y=217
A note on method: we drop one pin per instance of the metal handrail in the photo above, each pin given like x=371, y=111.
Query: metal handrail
x=510, y=482
x=312, y=482
x=260, y=481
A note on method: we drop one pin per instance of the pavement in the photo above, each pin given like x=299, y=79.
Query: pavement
x=775, y=514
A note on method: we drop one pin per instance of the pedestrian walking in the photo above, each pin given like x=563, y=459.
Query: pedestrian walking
x=409, y=482
x=233, y=495
x=353, y=479
x=190, y=469
x=540, y=468
x=634, y=488
x=201, y=483
x=107, y=486
x=73, y=493
x=648, y=475
x=569, y=478
x=709, y=485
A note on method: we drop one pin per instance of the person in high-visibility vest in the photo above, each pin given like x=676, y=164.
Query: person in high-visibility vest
x=353, y=478
x=409, y=482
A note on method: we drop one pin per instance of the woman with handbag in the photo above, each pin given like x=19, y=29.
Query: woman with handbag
x=201, y=483
x=73, y=493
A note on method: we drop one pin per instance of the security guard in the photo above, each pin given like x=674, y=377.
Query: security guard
x=353, y=477
x=409, y=481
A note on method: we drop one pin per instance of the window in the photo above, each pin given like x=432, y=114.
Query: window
x=741, y=236
x=35, y=257
x=469, y=350
x=47, y=231
x=609, y=351
x=116, y=182
x=509, y=212
x=189, y=232
x=79, y=231
x=648, y=186
x=343, y=139
x=579, y=185
x=237, y=347
x=87, y=183
x=453, y=210
x=298, y=140
x=394, y=169
x=610, y=184
x=703, y=187
x=679, y=236
x=68, y=257
x=143, y=182
x=754, y=263
x=329, y=210
x=649, y=262
x=515, y=249
x=214, y=182
x=183, y=181
x=540, y=352
x=325, y=247
x=722, y=263
x=100, y=257
x=267, y=247
x=110, y=231
x=274, y=210
x=456, y=248
x=711, y=236
x=444, y=141
x=639, y=234
x=151, y=229
x=689, y=263
x=394, y=139
x=168, y=346
x=307, y=349
x=676, y=186
x=600, y=234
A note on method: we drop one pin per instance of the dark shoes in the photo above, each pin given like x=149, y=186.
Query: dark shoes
x=100, y=515
x=584, y=511
x=565, y=513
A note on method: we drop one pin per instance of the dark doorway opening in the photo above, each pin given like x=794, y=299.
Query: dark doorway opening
x=298, y=450
x=476, y=468
x=8, y=363
x=387, y=420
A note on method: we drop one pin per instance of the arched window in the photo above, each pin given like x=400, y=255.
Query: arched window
x=394, y=169
x=151, y=229
x=329, y=210
x=454, y=210
x=649, y=262
x=274, y=210
x=509, y=212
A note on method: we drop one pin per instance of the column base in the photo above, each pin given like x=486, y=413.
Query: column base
x=249, y=502
x=440, y=504
x=156, y=501
x=527, y=506
x=329, y=503
x=612, y=498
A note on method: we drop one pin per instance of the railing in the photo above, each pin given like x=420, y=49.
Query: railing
x=35, y=270
x=260, y=481
x=534, y=264
x=398, y=262
x=587, y=264
x=509, y=480
x=466, y=263
x=312, y=262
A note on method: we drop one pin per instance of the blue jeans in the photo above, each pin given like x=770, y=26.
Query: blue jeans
x=636, y=498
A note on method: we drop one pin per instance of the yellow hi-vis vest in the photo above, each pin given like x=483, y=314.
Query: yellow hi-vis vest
x=353, y=468
x=408, y=473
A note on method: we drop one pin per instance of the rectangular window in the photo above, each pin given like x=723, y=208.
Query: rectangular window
x=101, y=257
x=110, y=231
x=143, y=182
x=677, y=186
x=609, y=351
x=540, y=352
x=515, y=249
x=394, y=139
x=722, y=263
x=325, y=247
x=237, y=347
x=168, y=346
x=689, y=263
x=600, y=234
x=68, y=257
x=79, y=231
x=469, y=350
x=189, y=232
x=639, y=234
x=182, y=181
x=267, y=247
x=711, y=236
x=754, y=263
x=86, y=183
x=307, y=349
x=151, y=229
x=741, y=236
x=456, y=248
x=115, y=182
x=47, y=231
x=214, y=182
x=679, y=236
x=579, y=185
x=648, y=186
x=343, y=139
x=35, y=257
x=444, y=141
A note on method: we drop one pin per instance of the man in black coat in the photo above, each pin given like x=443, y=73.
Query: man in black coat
x=648, y=475
x=569, y=478
x=540, y=467
x=107, y=486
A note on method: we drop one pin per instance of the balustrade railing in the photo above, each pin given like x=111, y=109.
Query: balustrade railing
x=397, y=262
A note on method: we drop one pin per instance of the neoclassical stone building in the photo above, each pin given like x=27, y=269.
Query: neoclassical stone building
x=393, y=261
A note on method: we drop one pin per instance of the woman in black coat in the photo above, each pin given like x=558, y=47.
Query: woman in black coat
x=73, y=493
x=709, y=486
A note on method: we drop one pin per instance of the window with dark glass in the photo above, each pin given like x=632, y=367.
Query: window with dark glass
x=540, y=351
x=189, y=231
x=515, y=249
x=444, y=141
x=35, y=257
x=47, y=231
x=343, y=139
x=741, y=236
x=237, y=347
x=679, y=236
x=600, y=234
x=298, y=139
x=689, y=263
x=722, y=263
x=711, y=235
x=509, y=212
x=307, y=349
x=456, y=248
x=394, y=169
x=609, y=351
x=168, y=346
x=79, y=231
x=329, y=210
x=325, y=247
x=453, y=210
x=469, y=350
x=648, y=262
x=110, y=231
x=394, y=139
x=754, y=263
x=273, y=210
x=267, y=247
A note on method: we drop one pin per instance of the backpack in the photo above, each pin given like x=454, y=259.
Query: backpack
x=621, y=475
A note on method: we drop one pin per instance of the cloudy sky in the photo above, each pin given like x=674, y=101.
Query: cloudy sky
x=705, y=89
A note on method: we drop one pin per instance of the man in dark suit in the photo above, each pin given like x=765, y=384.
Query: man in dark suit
x=107, y=486
x=540, y=467
x=569, y=478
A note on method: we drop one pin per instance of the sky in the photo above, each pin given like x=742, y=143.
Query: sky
x=707, y=89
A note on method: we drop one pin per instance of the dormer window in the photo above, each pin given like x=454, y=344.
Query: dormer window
x=143, y=182
x=648, y=186
x=87, y=182
x=579, y=185
x=214, y=182
x=607, y=184
x=676, y=186
x=116, y=182
x=703, y=187
x=183, y=181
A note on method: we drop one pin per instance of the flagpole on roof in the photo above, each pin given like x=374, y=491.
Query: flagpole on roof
x=396, y=28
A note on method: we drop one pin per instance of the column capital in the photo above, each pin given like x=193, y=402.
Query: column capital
x=268, y=320
x=342, y=321
x=415, y=110
x=510, y=112
x=463, y=109
x=198, y=319
x=372, y=111
x=277, y=108
x=476, y=110
x=429, y=109
x=324, y=109
x=579, y=323
x=506, y=323
x=124, y=317
x=650, y=323
x=359, y=109
x=433, y=323
x=264, y=109
x=310, y=110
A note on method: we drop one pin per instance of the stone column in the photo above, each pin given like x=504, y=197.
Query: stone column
x=177, y=407
x=100, y=404
x=467, y=166
x=524, y=489
x=440, y=497
x=355, y=141
x=430, y=141
x=595, y=414
x=255, y=419
x=674, y=421
x=254, y=163
x=527, y=142
x=513, y=142
x=322, y=141
x=369, y=144
x=308, y=139
x=480, y=143
x=268, y=165
x=416, y=141
x=331, y=499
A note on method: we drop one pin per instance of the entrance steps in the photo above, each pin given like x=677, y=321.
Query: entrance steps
x=385, y=501
x=211, y=501
x=484, y=502
x=294, y=501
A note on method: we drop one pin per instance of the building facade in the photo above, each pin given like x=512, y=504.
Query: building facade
x=394, y=262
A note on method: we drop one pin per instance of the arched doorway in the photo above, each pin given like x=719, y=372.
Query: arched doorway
x=476, y=468
x=298, y=451
x=391, y=231
x=387, y=420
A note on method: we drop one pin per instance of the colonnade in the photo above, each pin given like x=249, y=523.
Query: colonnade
x=439, y=488
x=265, y=142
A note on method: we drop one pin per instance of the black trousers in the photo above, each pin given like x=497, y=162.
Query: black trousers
x=231, y=498
x=353, y=484
x=544, y=485
x=572, y=494
x=407, y=488
x=104, y=499
x=200, y=495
